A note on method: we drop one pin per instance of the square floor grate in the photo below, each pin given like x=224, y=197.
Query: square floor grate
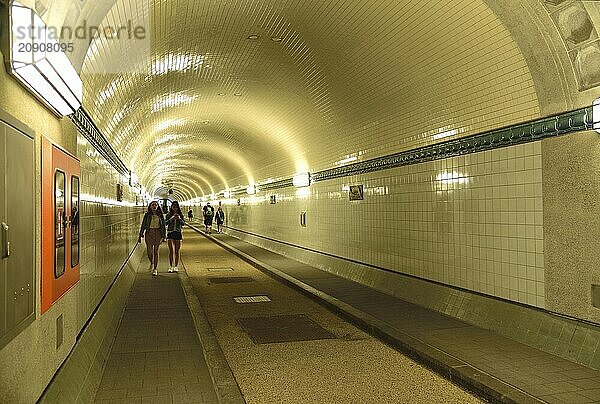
x=251, y=299
x=287, y=328
x=219, y=269
x=230, y=279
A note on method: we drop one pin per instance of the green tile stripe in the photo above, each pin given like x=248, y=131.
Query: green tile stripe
x=561, y=124
x=86, y=126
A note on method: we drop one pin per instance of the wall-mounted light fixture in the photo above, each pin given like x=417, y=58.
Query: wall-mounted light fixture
x=39, y=62
x=251, y=190
x=133, y=179
x=596, y=115
x=301, y=180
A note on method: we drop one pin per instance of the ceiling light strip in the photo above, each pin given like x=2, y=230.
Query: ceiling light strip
x=38, y=61
x=90, y=131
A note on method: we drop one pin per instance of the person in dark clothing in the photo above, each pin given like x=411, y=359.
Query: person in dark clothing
x=174, y=223
x=209, y=213
x=190, y=214
x=220, y=218
x=153, y=231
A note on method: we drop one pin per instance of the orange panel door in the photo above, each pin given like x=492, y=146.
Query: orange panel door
x=60, y=223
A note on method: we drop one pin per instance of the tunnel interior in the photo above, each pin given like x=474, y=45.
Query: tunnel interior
x=441, y=152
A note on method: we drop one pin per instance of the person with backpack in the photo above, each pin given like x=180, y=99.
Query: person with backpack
x=208, y=212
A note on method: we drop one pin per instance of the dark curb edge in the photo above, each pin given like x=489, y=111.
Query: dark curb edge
x=454, y=369
x=226, y=387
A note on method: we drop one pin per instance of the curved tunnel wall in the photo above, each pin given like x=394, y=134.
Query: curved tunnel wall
x=108, y=234
x=518, y=223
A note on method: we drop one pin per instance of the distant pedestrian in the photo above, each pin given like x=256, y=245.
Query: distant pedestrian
x=153, y=231
x=190, y=214
x=174, y=223
x=220, y=218
x=208, y=212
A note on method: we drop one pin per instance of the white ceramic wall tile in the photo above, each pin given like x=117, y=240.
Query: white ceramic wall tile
x=473, y=221
x=108, y=229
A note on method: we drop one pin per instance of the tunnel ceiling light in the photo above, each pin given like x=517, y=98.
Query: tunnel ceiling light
x=251, y=190
x=172, y=100
x=596, y=115
x=38, y=61
x=169, y=123
x=253, y=37
x=301, y=180
x=133, y=179
x=177, y=63
x=346, y=160
x=446, y=133
x=165, y=138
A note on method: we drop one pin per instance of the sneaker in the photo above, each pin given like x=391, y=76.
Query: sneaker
x=154, y=273
x=170, y=269
x=175, y=269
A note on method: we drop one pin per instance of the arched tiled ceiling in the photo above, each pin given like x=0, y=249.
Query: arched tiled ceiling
x=321, y=81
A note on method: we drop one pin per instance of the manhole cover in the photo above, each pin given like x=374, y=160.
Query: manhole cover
x=230, y=279
x=296, y=327
x=251, y=299
x=219, y=269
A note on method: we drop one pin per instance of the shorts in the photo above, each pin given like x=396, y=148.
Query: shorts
x=174, y=235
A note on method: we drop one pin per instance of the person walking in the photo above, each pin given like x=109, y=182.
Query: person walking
x=209, y=213
x=174, y=223
x=153, y=231
x=190, y=214
x=220, y=218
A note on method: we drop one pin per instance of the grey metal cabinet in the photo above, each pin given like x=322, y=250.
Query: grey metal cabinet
x=17, y=232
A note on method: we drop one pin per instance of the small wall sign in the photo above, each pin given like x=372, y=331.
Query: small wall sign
x=119, y=192
x=355, y=193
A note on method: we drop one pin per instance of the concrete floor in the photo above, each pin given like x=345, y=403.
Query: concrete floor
x=351, y=368
x=156, y=356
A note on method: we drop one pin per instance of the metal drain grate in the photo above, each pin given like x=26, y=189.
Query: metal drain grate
x=219, y=269
x=230, y=279
x=296, y=327
x=251, y=299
